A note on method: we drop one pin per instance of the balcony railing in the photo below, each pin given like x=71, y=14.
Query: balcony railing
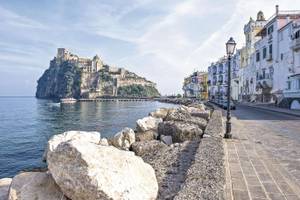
x=291, y=93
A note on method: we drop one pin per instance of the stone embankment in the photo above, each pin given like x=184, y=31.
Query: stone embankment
x=174, y=153
x=181, y=101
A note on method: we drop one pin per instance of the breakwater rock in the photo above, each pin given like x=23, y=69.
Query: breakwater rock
x=181, y=101
x=164, y=157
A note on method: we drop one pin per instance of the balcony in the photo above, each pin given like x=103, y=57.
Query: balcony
x=295, y=44
x=264, y=82
x=291, y=93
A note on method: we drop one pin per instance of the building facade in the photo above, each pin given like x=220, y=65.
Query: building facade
x=267, y=68
x=88, y=65
x=247, y=84
x=275, y=59
x=195, y=86
x=217, y=79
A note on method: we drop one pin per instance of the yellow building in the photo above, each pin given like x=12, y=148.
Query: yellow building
x=195, y=86
x=251, y=29
x=204, y=86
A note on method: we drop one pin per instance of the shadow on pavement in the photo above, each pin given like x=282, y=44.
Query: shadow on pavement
x=250, y=113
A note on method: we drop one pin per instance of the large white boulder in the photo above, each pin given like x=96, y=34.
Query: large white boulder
x=85, y=170
x=123, y=139
x=147, y=123
x=34, y=186
x=94, y=137
x=4, y=187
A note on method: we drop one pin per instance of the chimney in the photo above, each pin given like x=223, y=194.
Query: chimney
x=277, y=9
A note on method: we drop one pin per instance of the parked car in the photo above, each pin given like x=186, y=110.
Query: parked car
x=232, y=105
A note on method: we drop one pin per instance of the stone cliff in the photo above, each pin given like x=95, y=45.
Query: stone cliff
x=70, y=76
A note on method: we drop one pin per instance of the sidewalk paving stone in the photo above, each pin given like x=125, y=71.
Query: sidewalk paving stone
x=255, y=172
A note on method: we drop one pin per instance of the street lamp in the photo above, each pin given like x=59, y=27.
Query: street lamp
x=230, y=47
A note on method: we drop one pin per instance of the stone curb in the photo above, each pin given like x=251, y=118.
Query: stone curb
x=206, y=176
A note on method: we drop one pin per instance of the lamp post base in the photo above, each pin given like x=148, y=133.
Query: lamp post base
x=228, y=130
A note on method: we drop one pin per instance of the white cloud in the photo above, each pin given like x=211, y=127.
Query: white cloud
x=167, y=39
x=11, y=18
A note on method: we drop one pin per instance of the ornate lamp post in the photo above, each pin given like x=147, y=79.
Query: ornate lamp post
x=230, y=47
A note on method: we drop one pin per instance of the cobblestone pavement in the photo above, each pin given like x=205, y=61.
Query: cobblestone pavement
x=263, y=158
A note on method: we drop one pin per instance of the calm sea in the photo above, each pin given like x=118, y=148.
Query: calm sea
x=27, y=123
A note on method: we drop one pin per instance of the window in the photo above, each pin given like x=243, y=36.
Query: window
x=263, y=74
x=264, y=52
x=281, y=56
x=297, y=34
x=257, y=56
x=270, y=50
x=288, y=85
x=270, y=30
x=298, y=84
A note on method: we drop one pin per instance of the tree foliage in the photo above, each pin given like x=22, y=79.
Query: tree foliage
x=137, y=91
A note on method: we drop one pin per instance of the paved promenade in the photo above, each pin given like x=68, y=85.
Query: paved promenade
x=263, y=158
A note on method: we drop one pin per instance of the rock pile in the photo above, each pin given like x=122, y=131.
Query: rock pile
x=181, y=101
x=184, y=123
x=178, y=134
x=81, y=165
x=149, y=162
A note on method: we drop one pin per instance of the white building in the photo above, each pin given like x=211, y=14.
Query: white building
x=267, y=68
x=235, y=82
x=217, y=77
x=274, y=58
x=291, y=58
x=247, y=70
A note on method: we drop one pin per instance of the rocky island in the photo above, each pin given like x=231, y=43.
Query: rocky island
x=70, y=76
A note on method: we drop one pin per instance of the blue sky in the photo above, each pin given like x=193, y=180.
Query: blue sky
x=163, y=40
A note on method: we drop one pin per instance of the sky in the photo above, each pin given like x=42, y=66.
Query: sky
x=162, y=40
